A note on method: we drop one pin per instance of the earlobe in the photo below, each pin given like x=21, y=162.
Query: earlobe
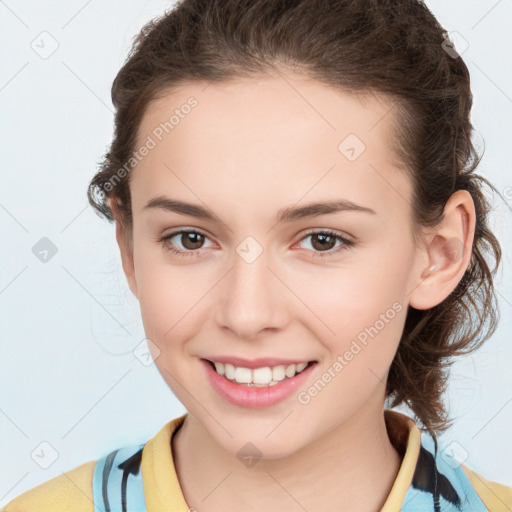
x=124, y=248
x=448, y=250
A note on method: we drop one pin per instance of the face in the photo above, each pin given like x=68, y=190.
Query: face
x=251, y=284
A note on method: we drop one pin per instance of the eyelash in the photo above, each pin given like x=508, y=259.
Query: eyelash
x=347, y=244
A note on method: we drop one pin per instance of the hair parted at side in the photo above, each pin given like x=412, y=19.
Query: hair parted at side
x=389, y=47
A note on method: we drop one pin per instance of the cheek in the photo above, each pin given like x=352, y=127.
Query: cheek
x=167, y=309
x=359, y=307
x=355, y=294
x=337, y=303
x=359, y=344
x=172, y=301
x=161, y=295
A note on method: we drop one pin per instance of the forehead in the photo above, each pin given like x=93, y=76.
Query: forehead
x=287, y=131
x=272, y=102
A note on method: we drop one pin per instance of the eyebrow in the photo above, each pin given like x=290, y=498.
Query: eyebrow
x=288, y=214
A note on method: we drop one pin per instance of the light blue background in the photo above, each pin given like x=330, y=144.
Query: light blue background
x=68, y=326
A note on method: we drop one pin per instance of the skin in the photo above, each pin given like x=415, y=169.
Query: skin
x=248, y=149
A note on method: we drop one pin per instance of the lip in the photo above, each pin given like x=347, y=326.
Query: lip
x=261, y=362
x=255, y=398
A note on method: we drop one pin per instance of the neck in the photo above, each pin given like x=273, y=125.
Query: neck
x=352, y=467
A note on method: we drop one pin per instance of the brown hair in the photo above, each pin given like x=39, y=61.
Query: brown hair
x=395, y=48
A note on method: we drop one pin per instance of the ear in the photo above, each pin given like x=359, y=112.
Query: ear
x=125, y=247
x=448, y=251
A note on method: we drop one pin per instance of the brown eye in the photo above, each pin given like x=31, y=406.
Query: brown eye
x=323, y=242
x=192, y=240
x=185, y=242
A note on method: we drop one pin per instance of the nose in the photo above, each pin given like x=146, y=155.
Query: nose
x=253, y=297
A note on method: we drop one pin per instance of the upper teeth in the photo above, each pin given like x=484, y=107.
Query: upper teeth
x=258, y=376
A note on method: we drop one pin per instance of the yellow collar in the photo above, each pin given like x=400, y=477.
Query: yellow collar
x=163, y=492
x=406, y=438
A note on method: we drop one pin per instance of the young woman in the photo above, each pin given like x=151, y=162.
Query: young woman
x=298, y=215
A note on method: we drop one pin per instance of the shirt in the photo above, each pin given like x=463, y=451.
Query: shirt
x=143, y=478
